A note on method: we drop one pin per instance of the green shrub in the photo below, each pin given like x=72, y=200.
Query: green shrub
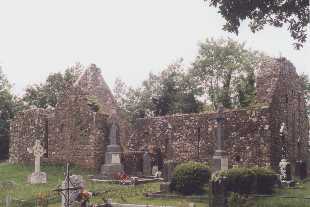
x=265, y=180
x=248, y=180
x=240, y=180
x=189, y=178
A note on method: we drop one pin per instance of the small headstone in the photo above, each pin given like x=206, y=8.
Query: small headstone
x=37, y=176
x=76, y=181
x=168, y=170
x=147, y=164
x=301, y=169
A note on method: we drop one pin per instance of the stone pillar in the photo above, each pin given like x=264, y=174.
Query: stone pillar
x=220, y=160
x=112, y=165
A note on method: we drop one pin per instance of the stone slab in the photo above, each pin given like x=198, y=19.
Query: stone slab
x=37, y=178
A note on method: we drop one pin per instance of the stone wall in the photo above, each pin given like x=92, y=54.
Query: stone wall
x=26, y=127
x=288, y=106
x=76, y=133
x=192, y=137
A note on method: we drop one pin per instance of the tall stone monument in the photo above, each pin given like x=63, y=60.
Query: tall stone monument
x=37, y=176
x=220, y=160
x=284, y=165
x=112, y=165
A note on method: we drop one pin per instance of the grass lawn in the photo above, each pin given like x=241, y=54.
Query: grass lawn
x=280, y=199
x=122, y=194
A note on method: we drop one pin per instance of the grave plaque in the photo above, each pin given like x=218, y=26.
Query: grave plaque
x=115, y=159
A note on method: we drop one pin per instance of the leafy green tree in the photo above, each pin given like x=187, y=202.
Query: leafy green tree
x=55, y=87
x=225, y=71
x=169, y=92
x=293, y=13
x=9, y=106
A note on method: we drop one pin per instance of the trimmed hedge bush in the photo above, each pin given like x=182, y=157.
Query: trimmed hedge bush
x=240, y=180
x=248, y=180
x=190, y=178
x=265, y=180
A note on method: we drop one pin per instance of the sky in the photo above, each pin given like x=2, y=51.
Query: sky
x=126, y=39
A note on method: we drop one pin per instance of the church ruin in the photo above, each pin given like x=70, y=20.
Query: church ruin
x=76, y=129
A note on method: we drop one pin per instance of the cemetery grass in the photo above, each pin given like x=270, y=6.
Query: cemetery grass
x=288, y=197
x=21, y=190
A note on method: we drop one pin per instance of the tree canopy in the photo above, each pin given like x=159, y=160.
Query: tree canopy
x=9, y=106
x=293, y=13
x=169, y=92
x=56, y=85
x=224, y=69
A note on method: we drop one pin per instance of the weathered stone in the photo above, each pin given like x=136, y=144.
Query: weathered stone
x=169, y=166
x=147, y=164
x=37, y=176
x=112, y=165
x=165, y=187
x=76, y=181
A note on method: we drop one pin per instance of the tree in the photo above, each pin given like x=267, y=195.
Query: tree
x=169, y=92
x=225, y=71
x=294, y=13
x=55, y=87
x=9, y=106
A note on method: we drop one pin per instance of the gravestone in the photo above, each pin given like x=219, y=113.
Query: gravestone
x=147, y=164
x=220, y=160
x=301, y=169
x=169, y=167
x=37, y=176
x=112, y=165
x=71, y=190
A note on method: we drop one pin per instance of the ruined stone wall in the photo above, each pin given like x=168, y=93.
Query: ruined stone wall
x=76, y=133
x=288, y=106
x=192, y=137
x=251, y=135
x=26, y=127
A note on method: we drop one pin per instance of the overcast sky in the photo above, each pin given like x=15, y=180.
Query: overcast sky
x=126, y=39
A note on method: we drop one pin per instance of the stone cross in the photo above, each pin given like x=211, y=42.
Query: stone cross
x=38, y=151
x=220, y=160
x=220, y=122
x=113, y=131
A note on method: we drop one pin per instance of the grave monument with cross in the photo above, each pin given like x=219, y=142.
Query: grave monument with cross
x=112, y=165
x=220, y=160
x=37, y=176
